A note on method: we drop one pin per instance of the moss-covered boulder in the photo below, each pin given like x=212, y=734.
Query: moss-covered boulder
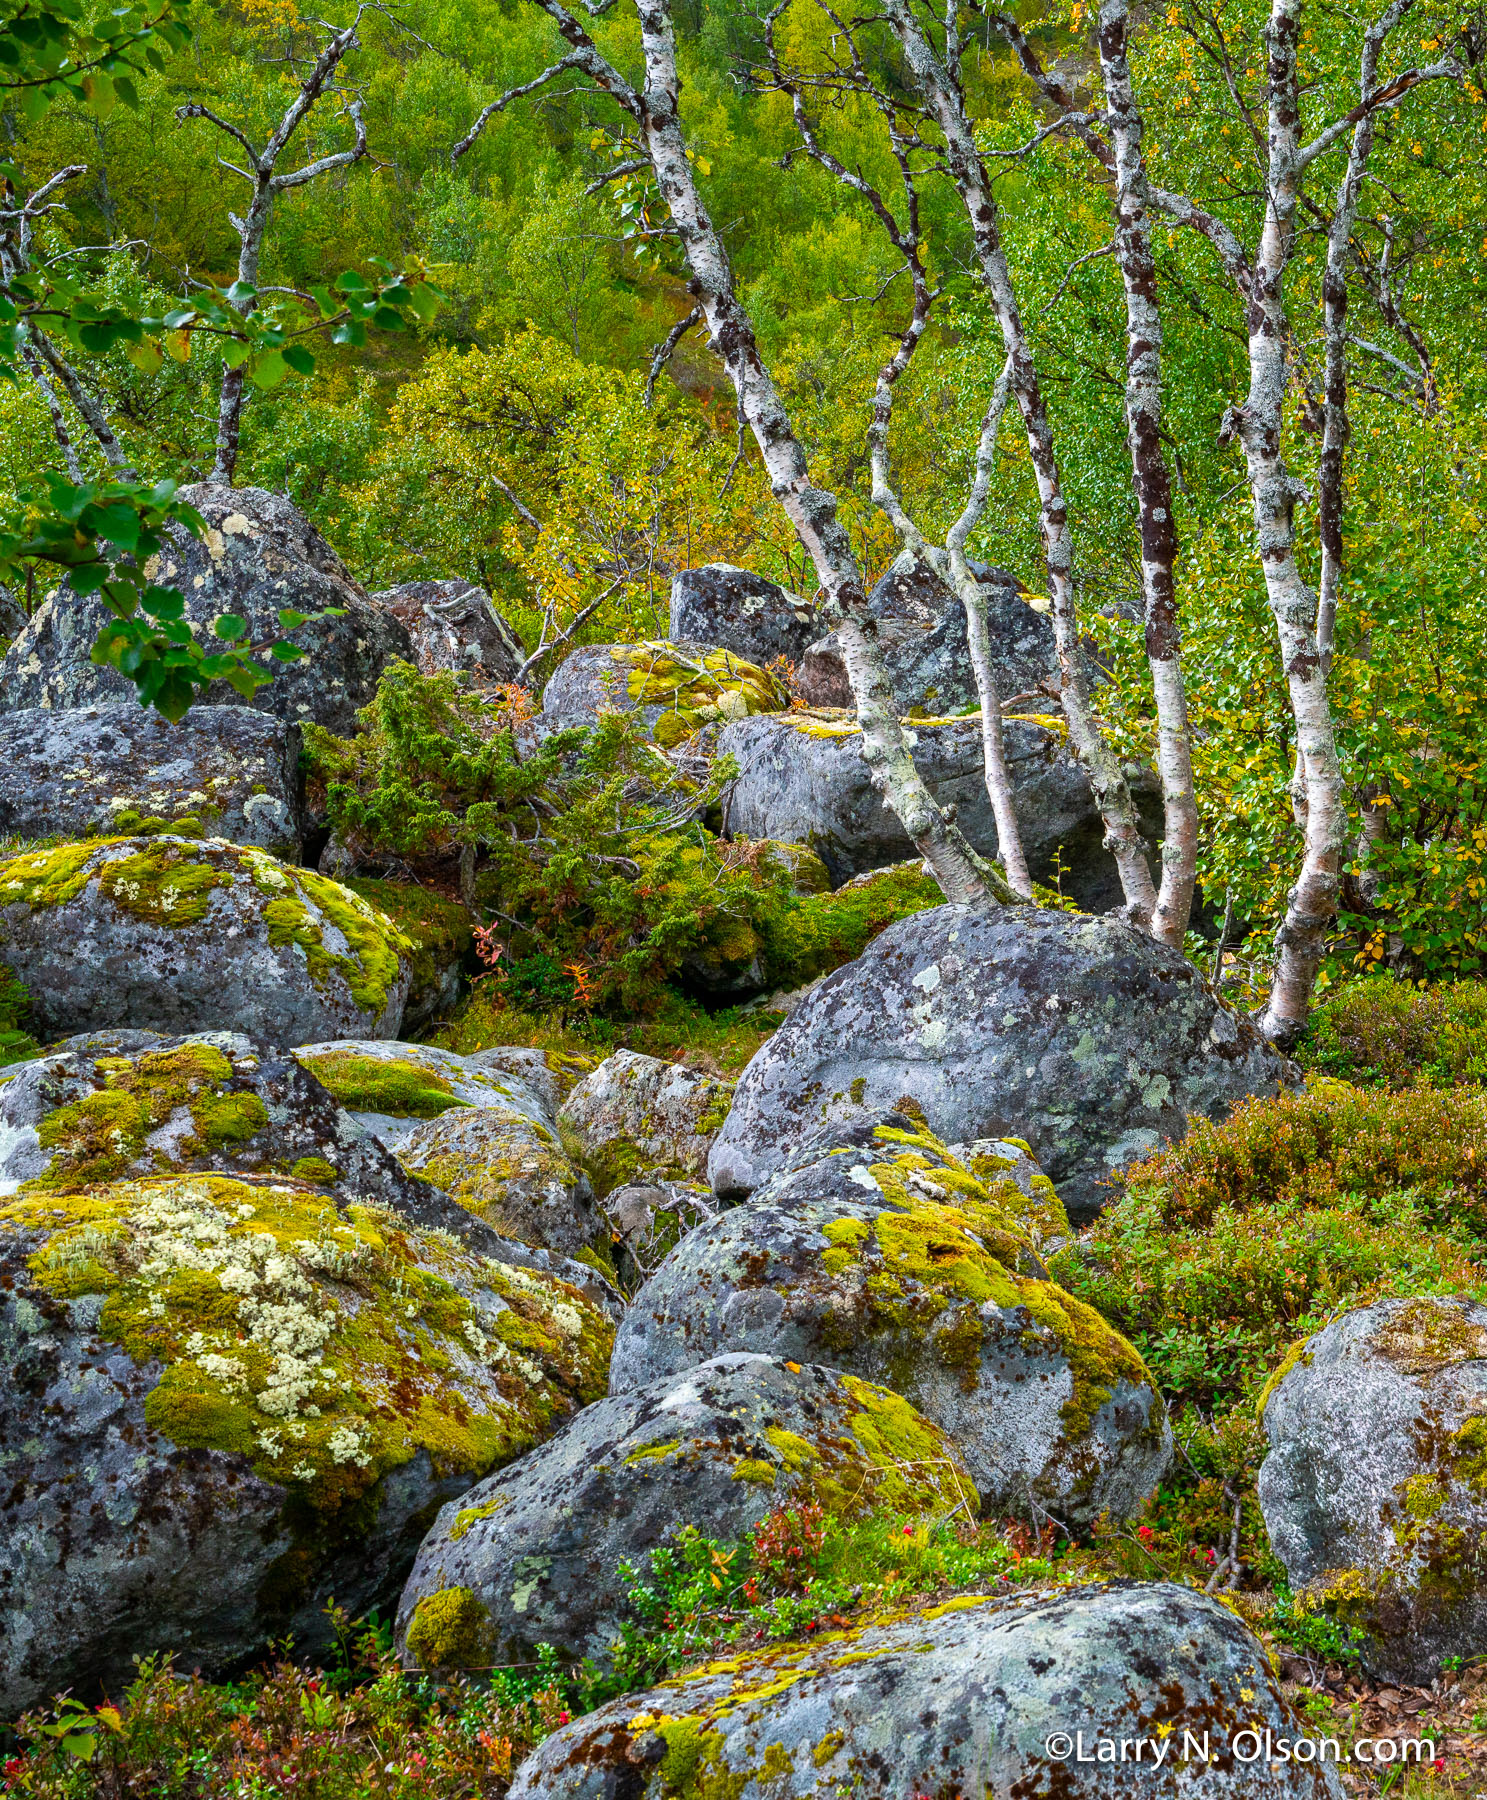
x=390, y=1088
x=508, y=1166
x=997, y=1161
x=178, y=935
x=636, y=1118
x=227, y=1400
x=1375, y=1488
x=677, y=688
x=1079, y=1035
x=976, y=1696
x=886, y=1257
x=442, y=933
x=531, y=1553
x=112, y=768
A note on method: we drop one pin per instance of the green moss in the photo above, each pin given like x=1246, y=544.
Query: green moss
x=823, y=1752
x=451, y=1629
x=441, y=930
x=101, y=1135
x=383, y=1084
x=715, y=685
x=912, y=1457
x=798, y=1454
x=376, y=947
x=324, y=1386
x=1298, y=1356
x=752, y=1469
x=472, y=1515
x=652, y=1453
x=48, y=877
x=1469, y=1455
x=316, y=1169
x=164, y=885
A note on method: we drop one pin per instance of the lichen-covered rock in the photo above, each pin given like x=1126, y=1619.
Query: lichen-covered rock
x=676, y=688
x=551, y=1074
x=801, y=776
x=506, y=1164
x=455, y=629
x=736, y=610
x=88, y=1114
x=227, y=1400
x=998, y=1160
x=391, y=1088
x=178, y=935
x=534, y=1549
x=226, y=769
x=1375, y=1487
x=959, y=1699
x=260, y=556
x=1079, y=1035
x=922, y=635
x=884, y=1256
x=442, y=933
x=636, y=1118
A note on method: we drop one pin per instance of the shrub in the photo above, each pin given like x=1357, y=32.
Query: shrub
x=602, y=884
x=1379, y=1032
x=1325, y=1143
x=16, y=1044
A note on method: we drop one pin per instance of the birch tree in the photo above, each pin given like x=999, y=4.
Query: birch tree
x=653, y=112
x=1304, y=627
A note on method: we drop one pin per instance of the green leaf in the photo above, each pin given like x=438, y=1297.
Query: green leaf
x=269, y=370
x=300, y=359
x=286, y=653
x=231, y=627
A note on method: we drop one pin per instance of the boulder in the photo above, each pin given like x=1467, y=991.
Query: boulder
x=529, y=1557
x=176, y=935
x=884, y=1257
x=504, y=1162
x=389, y=1088
x=1080, y=1035
x=1375, y=1487
x=734, y=609
x=922, y=634
x=1028, y=1695
x=676, y=688
x=228, y=1400
x=551, y=1074
x=260, y=555
x=109, y=769
x=801, y=776
x=638, y=1118
x=442, y=933
x=455, y=629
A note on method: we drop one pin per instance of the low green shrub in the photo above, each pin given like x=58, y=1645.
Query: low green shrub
x=16, y=1043
x=1325, y=1143
x=602, y=887
x=1379, y=1032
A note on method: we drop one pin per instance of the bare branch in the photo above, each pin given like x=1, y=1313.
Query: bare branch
x=1078, y=263
x=633, y=167
x=665, y=349
x=342, y=159
x=194, y=110
x=487, y=113
x=1389, y=95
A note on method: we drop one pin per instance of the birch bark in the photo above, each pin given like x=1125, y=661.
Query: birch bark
x=941, y=93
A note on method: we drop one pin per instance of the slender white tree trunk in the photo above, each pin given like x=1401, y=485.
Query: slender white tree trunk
x=1111, y=790
x=963, y=876
x=1153, y=484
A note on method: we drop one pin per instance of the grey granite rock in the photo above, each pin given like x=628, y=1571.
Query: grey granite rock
x=719, y=1447
x=1079, y=1034
x=67, y=772
x=178, y=935
x=877, y=1252
x=227, y=1399
x=1373, y=1491
x=740, y=611
x=802, y=778
x=455, y=629
x=260, y=556
x=1032, y=1697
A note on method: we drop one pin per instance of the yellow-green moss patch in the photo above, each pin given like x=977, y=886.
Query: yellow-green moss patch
x=451, y=1629
x=398, y=1086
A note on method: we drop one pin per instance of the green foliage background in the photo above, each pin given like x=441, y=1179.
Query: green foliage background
x=530, y=382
